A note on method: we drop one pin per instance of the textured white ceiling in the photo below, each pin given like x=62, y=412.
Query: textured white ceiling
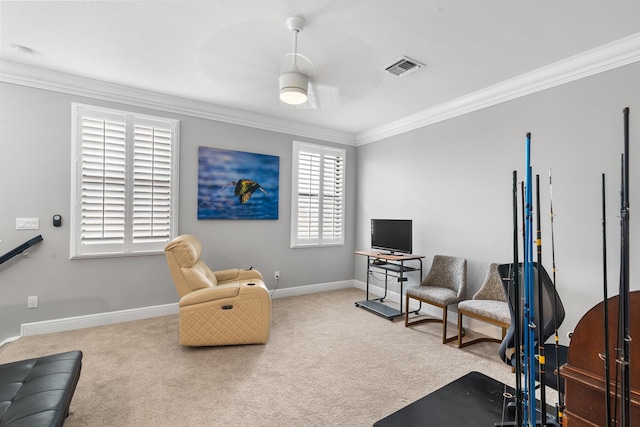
x=229, y=52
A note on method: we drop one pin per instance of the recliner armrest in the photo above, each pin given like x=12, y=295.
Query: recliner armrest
x=236, y=274
x=256, y=287
x=228, y=290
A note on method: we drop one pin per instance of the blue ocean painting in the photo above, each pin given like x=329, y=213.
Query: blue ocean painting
x=237, y=185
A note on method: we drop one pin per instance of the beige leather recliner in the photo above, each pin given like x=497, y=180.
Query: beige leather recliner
x=223, y=307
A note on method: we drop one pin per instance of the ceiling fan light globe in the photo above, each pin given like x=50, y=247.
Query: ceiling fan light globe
x=293, y=88
x=293, y=96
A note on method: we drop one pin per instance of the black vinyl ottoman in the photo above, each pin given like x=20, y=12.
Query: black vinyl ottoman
x=37, y=392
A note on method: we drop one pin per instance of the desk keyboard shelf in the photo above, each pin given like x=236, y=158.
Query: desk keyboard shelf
x=396, y=268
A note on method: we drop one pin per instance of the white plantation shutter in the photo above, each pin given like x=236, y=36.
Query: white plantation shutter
x=151, y=183
x=125, y=183
x=318, y=195
x=308, y=194
x=103, y=171
x=333, y=189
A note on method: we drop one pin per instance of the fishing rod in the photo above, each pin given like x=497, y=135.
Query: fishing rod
x=560, y=405
x=516, y=291
x=540, y=328
x=605, y=356
x=513, y=296
x=618, y=346
x=529, y=295
x=515, y=271
x=623, y=312
x=522, y=202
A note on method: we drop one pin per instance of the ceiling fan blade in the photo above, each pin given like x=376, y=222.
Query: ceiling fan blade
x=252, y=79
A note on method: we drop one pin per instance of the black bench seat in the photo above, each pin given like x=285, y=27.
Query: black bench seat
x=37, y=392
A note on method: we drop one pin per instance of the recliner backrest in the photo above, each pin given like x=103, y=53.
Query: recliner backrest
x=188, y=271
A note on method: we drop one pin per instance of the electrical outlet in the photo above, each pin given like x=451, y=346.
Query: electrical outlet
x=32, y=302
x=276, y=275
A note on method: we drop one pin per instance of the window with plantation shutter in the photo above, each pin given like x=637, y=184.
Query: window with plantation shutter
x=124, y=182
x=318, y=195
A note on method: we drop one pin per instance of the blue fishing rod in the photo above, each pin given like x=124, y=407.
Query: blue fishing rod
x=529, y=364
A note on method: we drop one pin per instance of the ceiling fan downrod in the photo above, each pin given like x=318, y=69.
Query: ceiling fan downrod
x=293, y=83
x=296, y=24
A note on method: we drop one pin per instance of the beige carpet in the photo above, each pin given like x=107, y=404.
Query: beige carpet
x=327, y=363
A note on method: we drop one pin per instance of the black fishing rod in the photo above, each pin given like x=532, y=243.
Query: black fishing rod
x=540, y=325
x=618, y=346
x=513, y=296
x=605, y=355
x=515, y=271
x=623, y=312
x=560, y=405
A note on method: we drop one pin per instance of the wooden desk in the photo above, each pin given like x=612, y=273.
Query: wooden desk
x=393, y=265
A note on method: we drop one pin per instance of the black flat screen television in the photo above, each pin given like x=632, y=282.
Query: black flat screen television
x=392, y=235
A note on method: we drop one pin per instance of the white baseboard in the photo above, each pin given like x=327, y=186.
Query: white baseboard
x=467, y=323
x=108, y=318
x=311, y=289
x=98, y=319
x=8, y=340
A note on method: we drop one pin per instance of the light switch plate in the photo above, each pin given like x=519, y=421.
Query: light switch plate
x=27, y=223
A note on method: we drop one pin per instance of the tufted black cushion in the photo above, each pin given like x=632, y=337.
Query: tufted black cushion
x=37, y=392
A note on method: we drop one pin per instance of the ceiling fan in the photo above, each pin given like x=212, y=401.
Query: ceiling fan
x=246, y=61
x=296, y=68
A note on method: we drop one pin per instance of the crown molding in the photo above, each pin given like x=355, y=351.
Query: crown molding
x=40, y=78
x=607, y=57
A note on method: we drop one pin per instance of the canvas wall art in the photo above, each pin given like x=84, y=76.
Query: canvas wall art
x=237, y=184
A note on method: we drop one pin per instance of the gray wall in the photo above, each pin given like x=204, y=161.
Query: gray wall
x=454, y=180
x=35, y=172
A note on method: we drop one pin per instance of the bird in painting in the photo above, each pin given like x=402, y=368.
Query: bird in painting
x=245, y=188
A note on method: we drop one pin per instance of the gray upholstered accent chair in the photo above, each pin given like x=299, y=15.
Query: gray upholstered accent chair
x=444, y=285
x=489, y=304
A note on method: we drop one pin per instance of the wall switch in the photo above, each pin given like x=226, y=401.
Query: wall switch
x=27, y=223
x=276, y=275
x=32, y=302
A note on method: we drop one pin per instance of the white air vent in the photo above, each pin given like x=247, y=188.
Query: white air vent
x=403, y=66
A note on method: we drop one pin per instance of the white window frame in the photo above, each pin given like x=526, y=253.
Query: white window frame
x=324, y=223
x=153, y=159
